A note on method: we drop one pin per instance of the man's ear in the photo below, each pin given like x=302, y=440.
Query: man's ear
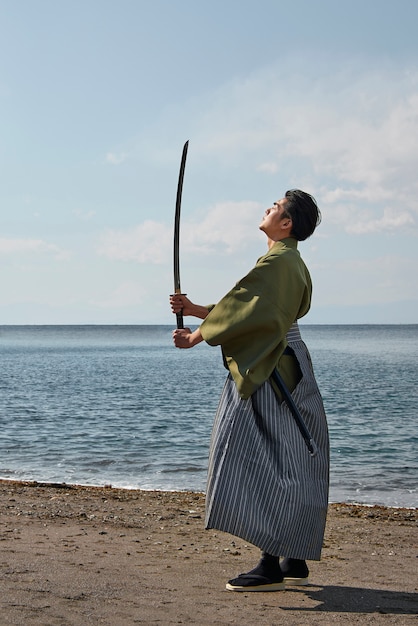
x=286, y=223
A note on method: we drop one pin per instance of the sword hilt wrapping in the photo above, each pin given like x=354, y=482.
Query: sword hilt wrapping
x=179, y=315
x=180, y=323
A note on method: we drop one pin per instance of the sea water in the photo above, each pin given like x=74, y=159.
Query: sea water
x=120, y=406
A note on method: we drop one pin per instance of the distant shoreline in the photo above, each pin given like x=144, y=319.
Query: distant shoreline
x=73, y=487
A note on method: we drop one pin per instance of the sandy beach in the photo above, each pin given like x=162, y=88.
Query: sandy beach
x=98, y=555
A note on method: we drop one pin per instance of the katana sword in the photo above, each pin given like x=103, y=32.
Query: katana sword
x=310, y=443
x=176, y=247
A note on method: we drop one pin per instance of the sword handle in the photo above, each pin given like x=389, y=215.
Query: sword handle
x=180, y=323
x=179, y=315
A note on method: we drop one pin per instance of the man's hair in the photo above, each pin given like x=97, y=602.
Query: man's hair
x=302, y=209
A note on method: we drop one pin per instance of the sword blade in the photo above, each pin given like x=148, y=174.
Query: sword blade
x=176, y=247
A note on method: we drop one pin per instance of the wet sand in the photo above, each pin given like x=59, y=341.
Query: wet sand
x=96, y=555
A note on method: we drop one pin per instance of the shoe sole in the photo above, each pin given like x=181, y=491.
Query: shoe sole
x=271, y=587
x=296, y=582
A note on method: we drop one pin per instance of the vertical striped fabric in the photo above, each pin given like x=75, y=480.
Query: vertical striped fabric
x=263, y=485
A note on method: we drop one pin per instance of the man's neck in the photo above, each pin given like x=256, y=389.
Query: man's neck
x=271, y=242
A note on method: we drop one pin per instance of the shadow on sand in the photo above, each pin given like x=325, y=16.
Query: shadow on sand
x=339, y=599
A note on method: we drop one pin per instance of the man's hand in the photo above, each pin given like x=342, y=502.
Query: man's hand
x=185, y=338
x=181, y=304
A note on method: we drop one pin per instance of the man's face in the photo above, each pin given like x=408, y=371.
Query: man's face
x=273, y=219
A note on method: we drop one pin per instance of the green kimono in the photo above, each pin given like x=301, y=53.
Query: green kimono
x=251, y=321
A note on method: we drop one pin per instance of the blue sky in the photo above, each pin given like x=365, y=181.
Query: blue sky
x=97, y=98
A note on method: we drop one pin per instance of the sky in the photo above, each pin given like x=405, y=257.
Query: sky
x=97, y=98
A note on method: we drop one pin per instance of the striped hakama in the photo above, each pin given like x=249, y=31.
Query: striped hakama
x=263, y=484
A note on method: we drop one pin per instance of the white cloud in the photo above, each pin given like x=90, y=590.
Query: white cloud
x=146, y=243
x=9, y=246
x=84, y=216
x=223, y=228
x=269, y=167
x=390, y=221
x=351, y=135
x=116, y=159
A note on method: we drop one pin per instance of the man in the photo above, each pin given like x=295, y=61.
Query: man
x=263, y=483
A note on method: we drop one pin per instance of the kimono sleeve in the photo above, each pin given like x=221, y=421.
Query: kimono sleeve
x=252, y=319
